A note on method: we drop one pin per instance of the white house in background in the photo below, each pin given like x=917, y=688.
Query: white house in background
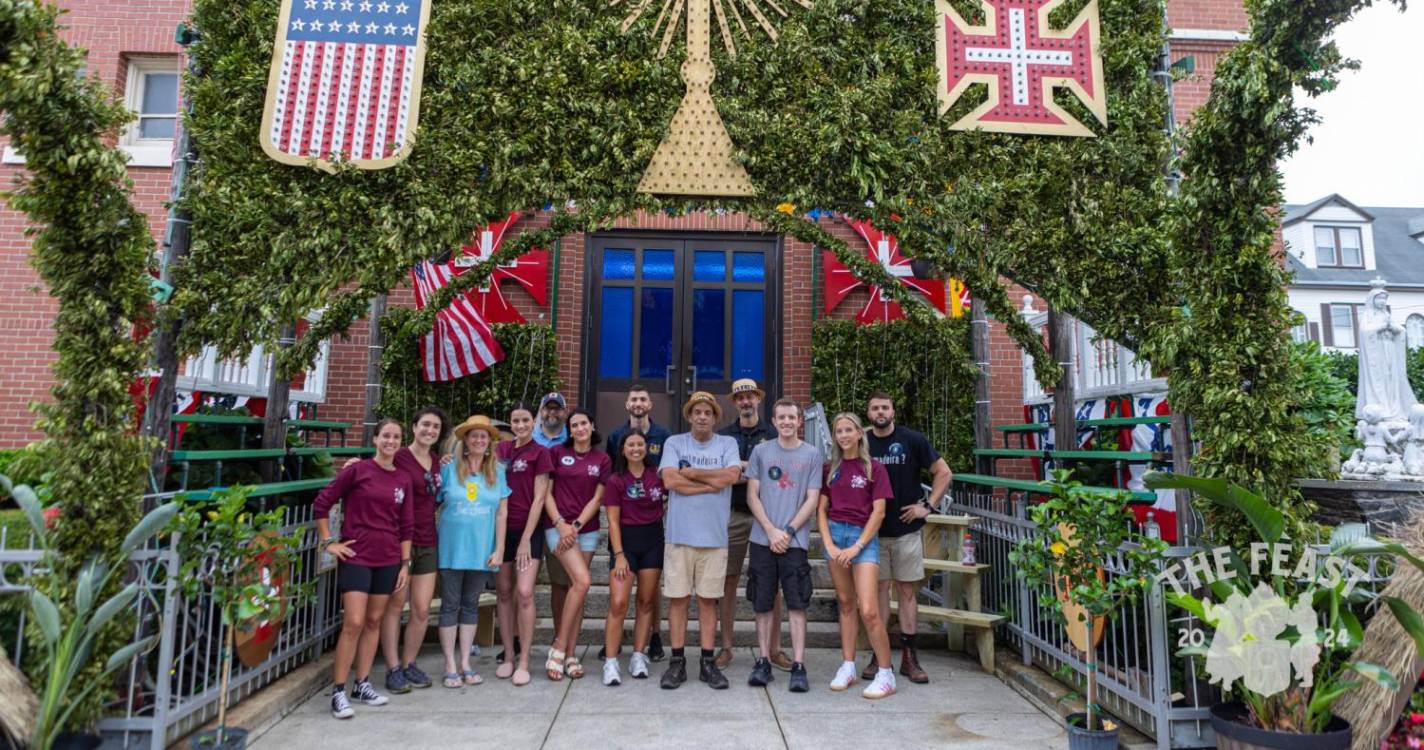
x=1335, y=248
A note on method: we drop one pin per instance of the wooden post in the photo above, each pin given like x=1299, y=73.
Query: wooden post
x=279, y=391
x=374, y=351
x=1060, y=343
x=1182, y=464
x=983, y=429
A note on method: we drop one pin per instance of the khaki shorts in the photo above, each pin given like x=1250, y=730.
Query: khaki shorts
x=694, y=570
x=739, y=534
x=902, y=558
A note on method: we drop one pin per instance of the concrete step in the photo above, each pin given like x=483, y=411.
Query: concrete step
x=818, y=634
x=599, y=572
x=822, y=608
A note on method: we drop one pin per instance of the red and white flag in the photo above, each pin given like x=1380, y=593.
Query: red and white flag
x=345, y=82
x=461, y=343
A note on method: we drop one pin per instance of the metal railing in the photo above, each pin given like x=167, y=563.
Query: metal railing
x=172, y=690
x=1101, y=366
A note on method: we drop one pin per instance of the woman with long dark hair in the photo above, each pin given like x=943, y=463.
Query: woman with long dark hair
x=636, y=501
x=579, y=470
x=373, y=554
x=527, y=467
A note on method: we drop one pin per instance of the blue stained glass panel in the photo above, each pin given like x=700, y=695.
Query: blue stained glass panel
x=617, y=265
x=748, y=331
x=709, y=307
x=658, y=265
x=655, y=336
x=615, y=356
x=709, y=265
x=749, y=267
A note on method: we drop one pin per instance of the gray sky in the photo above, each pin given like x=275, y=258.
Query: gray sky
x=1369, y=146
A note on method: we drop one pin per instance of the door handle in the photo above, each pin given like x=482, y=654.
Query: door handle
x=692, y=376
x=667, y=380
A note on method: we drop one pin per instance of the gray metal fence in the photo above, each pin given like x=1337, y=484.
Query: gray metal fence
x=173, y=689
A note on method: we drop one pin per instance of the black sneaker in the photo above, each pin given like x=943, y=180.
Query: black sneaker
x=655, y=648
x=761, y=673
x=799, y=683
x=710, y=674
x=396, y=682
x=676, y=673
x=368, y=695
x=340, y=706
x=416, y=676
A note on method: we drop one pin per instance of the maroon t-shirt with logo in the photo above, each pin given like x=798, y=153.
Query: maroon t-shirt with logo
x=642, y=499
x=576, y=477
x=522, y=465
x=425, y=485
x=375, y=511
x=852, y=494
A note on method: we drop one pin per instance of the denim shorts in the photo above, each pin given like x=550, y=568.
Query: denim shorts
x=845, y=535
x=587, y=541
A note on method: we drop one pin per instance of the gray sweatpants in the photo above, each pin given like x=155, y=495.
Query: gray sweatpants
x=460, y=595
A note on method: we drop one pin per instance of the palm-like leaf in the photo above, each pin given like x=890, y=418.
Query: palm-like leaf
x=1269, y=523
x=157, y=519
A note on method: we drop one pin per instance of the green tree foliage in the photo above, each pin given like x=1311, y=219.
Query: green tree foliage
x=1326, y=403
x=926, y=368
x=530, y=369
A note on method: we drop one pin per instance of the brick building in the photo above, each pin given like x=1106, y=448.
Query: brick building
x=131, y=47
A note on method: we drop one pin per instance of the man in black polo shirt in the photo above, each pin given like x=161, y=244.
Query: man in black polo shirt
x=908, y=457
x=749, y=430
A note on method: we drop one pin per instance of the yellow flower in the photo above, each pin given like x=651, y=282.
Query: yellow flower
x=786, y=208
x=212, y=515
x=1058, y=548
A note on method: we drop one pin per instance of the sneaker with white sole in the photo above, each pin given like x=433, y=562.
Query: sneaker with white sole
x=611, y=676
x=883, y=685
x=340, y=706
x=638, y=665
x=368, y=695
x=845, y=676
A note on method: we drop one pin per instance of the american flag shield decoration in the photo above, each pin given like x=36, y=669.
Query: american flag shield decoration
x=345, y=82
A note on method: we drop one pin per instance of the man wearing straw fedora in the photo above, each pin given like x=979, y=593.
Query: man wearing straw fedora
x=698, y=468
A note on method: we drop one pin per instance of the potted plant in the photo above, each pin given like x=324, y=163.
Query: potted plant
x=1288, y=632
x=1080, y=530
x=69, y=625
x=243, y=562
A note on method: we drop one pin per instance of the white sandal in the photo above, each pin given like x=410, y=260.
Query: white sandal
x=554, y=665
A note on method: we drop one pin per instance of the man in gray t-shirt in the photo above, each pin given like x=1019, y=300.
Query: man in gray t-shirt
x=783, y=487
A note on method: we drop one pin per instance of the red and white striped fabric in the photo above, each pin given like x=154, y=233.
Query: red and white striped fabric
x=461, y=343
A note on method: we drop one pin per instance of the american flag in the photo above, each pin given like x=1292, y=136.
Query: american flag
x=348, y=80
x=461, y=343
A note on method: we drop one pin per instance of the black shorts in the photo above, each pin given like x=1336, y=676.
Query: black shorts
x=642, y=547
x=791, y=572
x=364, y=579
x=511, y=544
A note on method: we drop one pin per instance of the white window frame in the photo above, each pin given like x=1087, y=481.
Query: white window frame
x=147, y=152
x=1338, y=247
x=1335, y=331
x=1414, y=331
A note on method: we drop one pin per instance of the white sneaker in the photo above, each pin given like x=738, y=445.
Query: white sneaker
x=845, y=676
x=611, y=676
x=638, y=665
x=883, y=685
x=340, y=706
x=368, y=695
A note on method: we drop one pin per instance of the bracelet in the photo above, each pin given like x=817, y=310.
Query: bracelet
x=619, y=553
x=327, y=542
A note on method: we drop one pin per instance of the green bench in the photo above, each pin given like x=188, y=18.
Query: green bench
x=1031, y=487
x=265, y=490
x=1025, y=429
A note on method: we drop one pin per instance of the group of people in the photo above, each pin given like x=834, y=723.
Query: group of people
x=686, y=514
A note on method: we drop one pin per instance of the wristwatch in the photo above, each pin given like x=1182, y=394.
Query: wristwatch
x=577, y=524
x=327, y=542
x=789, y=529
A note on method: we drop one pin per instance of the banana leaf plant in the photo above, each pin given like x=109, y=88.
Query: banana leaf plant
x=69, y=625
x=1288, y=638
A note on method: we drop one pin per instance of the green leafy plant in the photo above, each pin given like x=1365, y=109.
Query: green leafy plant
x=1327, y=405
x=1304, y=707
x=1079, y=531
x=234, y=556
x=70, y=627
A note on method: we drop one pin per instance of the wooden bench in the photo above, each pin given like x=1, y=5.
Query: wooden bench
x=944, y=536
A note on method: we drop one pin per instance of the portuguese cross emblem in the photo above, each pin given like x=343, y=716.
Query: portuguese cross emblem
x=1021, y=59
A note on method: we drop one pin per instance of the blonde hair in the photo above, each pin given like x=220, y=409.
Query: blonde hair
x=862, y=450
x=456, y=446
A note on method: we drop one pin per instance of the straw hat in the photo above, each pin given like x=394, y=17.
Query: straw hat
x=701, y=397
x=747, y=385
x=478, y=422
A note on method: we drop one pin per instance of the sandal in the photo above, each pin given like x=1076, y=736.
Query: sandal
x=554, y=666
x=504, y=670
x=472, y=677
x=521, y=677
x=452, y=680
x=573, y=668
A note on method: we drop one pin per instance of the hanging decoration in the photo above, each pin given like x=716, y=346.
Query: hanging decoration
x=884, y=249
x=958, y=298
x=1021, y=59
x=344, y=85
x=530, y=271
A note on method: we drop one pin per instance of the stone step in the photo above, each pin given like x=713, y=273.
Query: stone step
x=599, y=572
x=822, y=607
x=818, y=635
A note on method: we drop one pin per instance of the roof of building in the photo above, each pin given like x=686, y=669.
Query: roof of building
x=1399, y=256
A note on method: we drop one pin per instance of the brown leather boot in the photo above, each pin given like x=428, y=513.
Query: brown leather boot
x=870, y=669
x=910, y=666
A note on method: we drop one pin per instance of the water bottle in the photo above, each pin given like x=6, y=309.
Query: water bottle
x=1150, y=529
x=966, y=550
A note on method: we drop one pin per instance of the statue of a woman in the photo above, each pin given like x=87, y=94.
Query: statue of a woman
x=1383, y=380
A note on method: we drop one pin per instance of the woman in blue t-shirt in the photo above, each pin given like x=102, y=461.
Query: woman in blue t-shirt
x=472, y=499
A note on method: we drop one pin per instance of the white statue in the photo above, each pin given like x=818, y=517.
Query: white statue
x=1388, y=423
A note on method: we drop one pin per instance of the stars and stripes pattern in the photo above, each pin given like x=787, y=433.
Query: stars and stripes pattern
x=347, y=81
x=461, y=342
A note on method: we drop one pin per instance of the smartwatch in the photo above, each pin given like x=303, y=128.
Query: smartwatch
x=577, y=524
x=790, y=530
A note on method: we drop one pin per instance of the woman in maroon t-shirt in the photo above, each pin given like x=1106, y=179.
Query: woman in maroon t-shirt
x=527, y=467
x=374, y=558
x=855, y=489
x=636, y=501
x=579, y=469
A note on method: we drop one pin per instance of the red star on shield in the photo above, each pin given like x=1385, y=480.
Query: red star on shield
x=884, y=249
x=1021, y=59
x=530, y=270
